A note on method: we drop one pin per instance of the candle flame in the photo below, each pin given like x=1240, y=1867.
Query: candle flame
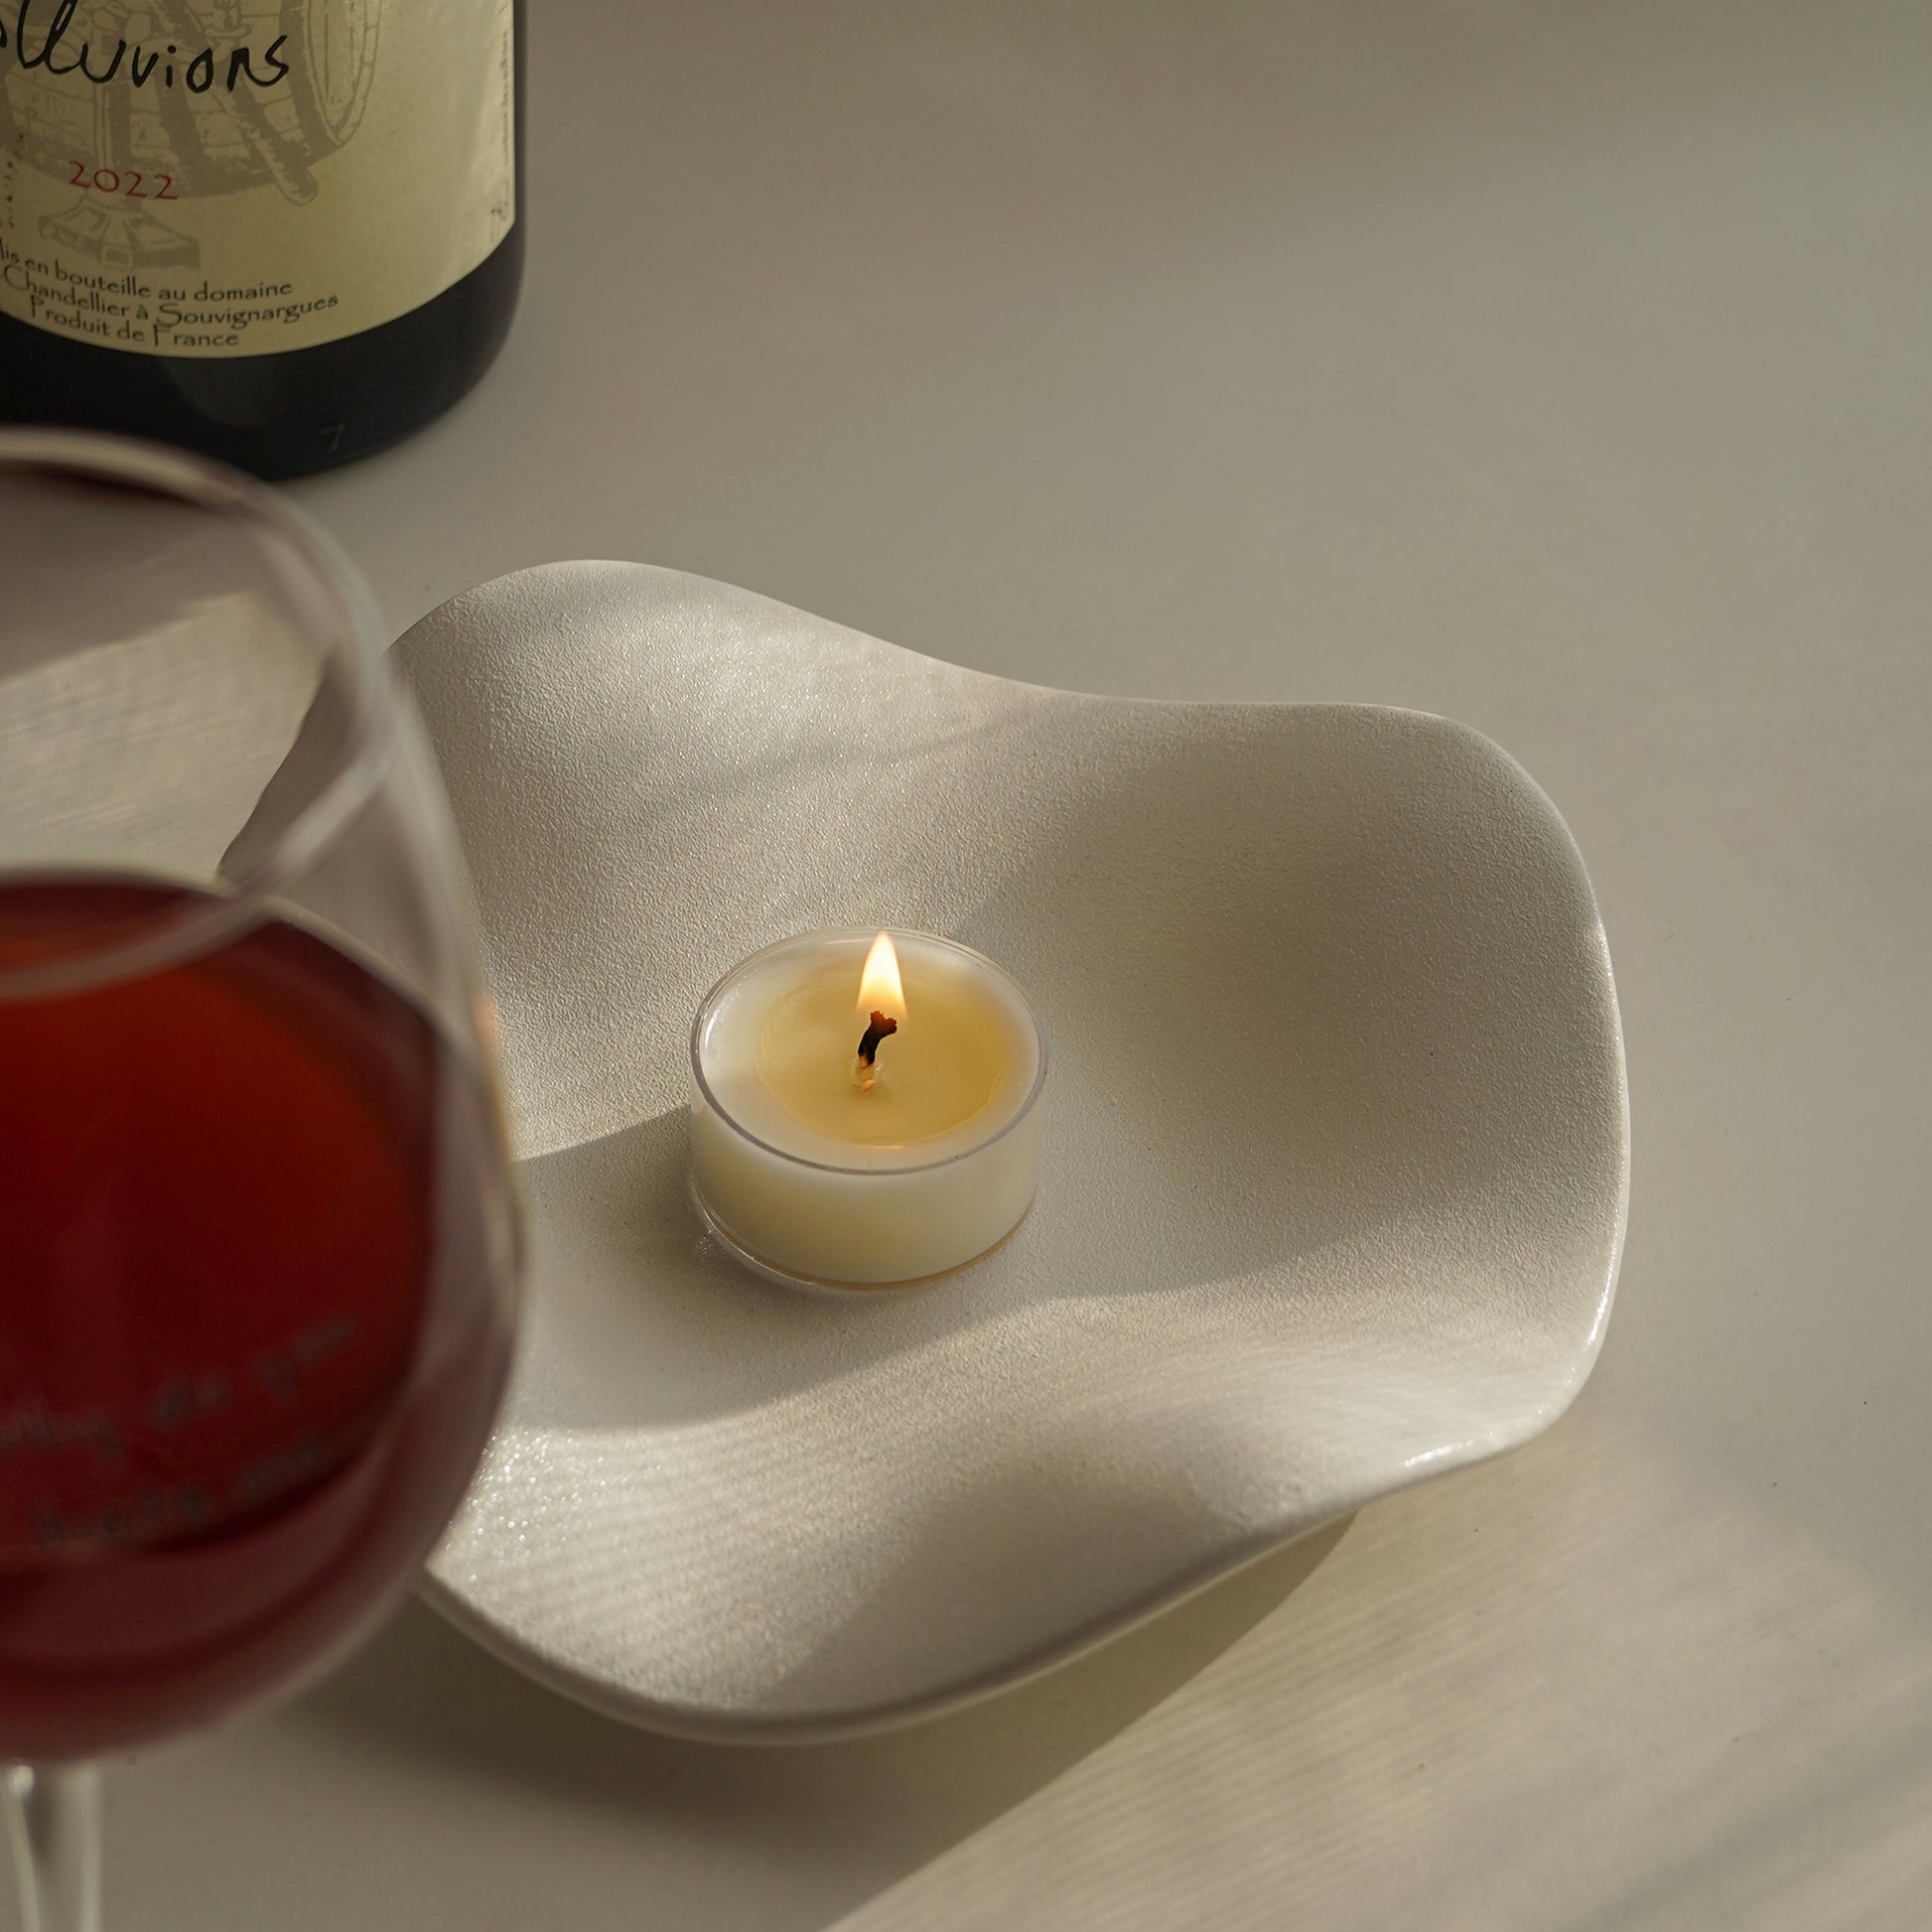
x=879, y=984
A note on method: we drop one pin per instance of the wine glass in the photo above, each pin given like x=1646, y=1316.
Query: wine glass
x=258, y=1248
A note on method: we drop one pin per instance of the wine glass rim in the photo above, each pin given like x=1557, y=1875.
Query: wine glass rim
x=351, y=642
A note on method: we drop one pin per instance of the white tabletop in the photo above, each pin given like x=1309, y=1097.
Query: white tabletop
x=1564, y=369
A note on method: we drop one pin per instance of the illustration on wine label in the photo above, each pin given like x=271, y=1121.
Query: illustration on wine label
x=219, y=177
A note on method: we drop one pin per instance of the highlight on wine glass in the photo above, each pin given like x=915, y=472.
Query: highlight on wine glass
x=259, y=1249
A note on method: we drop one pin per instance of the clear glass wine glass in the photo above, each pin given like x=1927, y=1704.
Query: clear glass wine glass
x=258, y=1250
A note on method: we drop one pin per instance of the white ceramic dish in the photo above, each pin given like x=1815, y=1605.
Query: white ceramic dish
x=1334, y=1182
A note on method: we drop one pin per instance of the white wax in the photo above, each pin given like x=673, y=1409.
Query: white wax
x=809, y=1205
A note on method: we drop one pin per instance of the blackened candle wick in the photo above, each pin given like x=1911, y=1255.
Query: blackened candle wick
x=882, y=1025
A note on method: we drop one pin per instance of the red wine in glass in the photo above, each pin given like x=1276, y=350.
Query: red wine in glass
x=255, y=1333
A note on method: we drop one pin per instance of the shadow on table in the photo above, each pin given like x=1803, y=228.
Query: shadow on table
x=886, y=1804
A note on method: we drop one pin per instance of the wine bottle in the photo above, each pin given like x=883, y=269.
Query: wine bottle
x=284, y=232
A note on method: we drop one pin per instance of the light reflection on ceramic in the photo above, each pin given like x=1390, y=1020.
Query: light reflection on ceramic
x=1333, y=1188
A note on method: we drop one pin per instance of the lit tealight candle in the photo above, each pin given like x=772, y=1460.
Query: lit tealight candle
x=865, y=1108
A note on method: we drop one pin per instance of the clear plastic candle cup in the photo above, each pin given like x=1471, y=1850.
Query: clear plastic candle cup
x=865, y=1108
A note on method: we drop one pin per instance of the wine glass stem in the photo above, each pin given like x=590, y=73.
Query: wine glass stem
x=54, y=1815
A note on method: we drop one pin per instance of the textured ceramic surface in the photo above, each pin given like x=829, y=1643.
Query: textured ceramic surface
x=1334, y=1179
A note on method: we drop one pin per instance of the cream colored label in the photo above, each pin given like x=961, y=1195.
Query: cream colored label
x=218, y=178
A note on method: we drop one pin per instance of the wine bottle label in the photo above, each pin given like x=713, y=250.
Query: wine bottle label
x=223, y=178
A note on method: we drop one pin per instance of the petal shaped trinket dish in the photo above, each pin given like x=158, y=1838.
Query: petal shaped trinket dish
x=1335, y=1177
